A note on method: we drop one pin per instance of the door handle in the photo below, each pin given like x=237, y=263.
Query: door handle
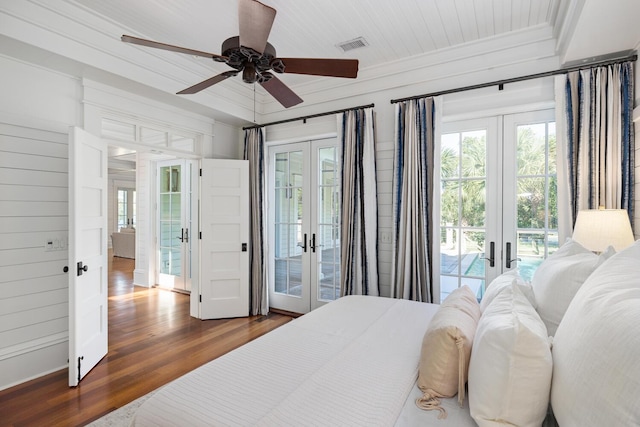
x=510, y=260
x=492, y=254
x=304, y=245
x=82, y=268
x=181, y=236
x=312, y=245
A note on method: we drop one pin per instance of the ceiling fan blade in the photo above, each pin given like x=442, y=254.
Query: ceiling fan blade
x=149, y=43
x=255, y=21
x=281, y=92
x=321, y=67
x=207, y=83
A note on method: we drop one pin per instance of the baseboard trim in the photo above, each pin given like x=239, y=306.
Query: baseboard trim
x=284, y=312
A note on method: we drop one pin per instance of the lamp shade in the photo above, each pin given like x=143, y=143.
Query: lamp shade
x=596, y=229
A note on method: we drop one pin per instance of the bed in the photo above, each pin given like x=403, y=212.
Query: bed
x=351, y=362
x=357, y=361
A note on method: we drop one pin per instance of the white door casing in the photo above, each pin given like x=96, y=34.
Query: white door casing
x=88, y=286
x=224, y=219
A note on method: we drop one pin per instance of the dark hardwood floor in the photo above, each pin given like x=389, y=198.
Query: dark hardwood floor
x=152, y=340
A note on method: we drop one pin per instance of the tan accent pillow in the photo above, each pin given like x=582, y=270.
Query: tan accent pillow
x=446, y=349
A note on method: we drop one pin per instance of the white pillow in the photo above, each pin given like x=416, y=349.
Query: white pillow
x=596, y=373
x=503, y=281
x=510, y=367
x=559, y=277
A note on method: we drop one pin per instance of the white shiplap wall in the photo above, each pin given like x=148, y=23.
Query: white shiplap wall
x=33, y=287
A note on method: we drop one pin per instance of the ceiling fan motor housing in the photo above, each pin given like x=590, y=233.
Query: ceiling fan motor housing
x=254, y=65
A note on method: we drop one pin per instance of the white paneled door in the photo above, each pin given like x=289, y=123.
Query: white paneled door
x=224, y=284
x=88, y=298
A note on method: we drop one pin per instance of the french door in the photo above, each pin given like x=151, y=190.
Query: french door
x=304, y=230
x=498, y=198
x=177, y=204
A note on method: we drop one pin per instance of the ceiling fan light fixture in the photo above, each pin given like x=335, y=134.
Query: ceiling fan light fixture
x=249, y=74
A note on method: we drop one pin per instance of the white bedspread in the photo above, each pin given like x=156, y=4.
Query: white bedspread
x=351, y=362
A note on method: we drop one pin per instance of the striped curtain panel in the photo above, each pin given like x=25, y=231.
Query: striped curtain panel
x=359, y=206
x=258, y=290
x=411, y=273
x=599, y=150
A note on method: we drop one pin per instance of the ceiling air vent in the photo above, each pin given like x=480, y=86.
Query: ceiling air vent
x=353, y=44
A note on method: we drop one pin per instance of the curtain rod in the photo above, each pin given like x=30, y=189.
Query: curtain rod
x=501, y=83
x=304, y=118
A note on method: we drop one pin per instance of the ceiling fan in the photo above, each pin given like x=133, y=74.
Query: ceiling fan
x=251, y=54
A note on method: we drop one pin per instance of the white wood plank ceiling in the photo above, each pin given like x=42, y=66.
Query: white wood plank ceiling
x=394, y=30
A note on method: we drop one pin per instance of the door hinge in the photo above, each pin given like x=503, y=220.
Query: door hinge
x=200, y=171
x=200, y=235
x=200, y=298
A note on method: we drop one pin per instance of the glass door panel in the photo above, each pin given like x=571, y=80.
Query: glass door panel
x=289, y=242
x=535, y=206
x=327, y=236
x=463, y=210
x=174, y=224
x=170, y=220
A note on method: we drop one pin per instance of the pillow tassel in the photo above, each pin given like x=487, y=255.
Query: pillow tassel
x=461, y=375
x=430, y=401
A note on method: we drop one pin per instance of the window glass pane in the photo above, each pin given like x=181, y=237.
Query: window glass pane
x=175, y=179
x=295, y=168
x=531, y=152
x=472, y=262
x=449, y=209
x=530, y=252
x=531, y=203
x=327, y=165
x=295, y=277
x=281, y=275
x=165, y=207
x=326, y=207
x=281, y=169
x=450, y=155
x=296, y=240
x=449, y=260
x=165, y=179
x=473, y=203
x=474, y=154
x=176, y=207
